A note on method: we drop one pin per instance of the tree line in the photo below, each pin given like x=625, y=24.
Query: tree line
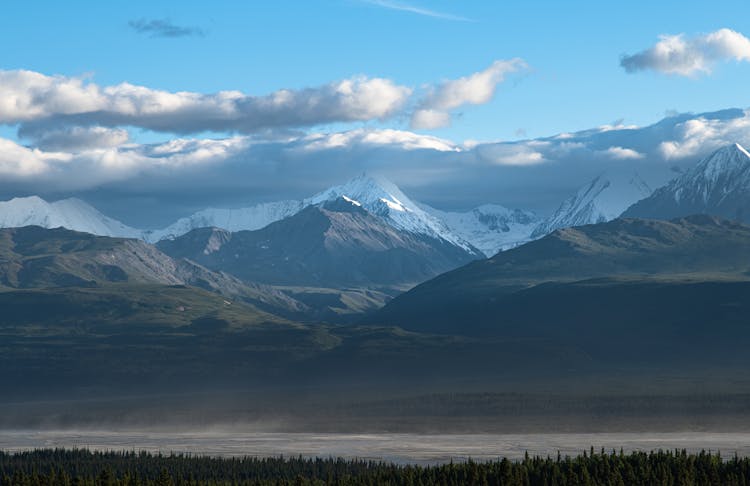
x=80, y=467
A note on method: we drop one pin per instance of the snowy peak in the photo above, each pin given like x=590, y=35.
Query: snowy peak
x=382, y=198
x=72, y=214
x=376, y=194
x=718, y=185
x=723, y=171
x=603, y=199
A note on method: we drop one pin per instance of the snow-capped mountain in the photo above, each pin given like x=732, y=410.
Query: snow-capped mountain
x=334, y=244
x=601, y=200
x=490, y=227
x=248, y=218
x=375, y=195
x=72, y=214
x=382, y=198
x=718, y=185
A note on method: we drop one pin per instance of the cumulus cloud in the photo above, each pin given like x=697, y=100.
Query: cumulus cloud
x=698, y=135
x=428, y=119
x=621, y=153
x=73, y=139
x=85, y=110
x=690, y=56
x=31, y=97
x=475, y=89
x=510, y=154
x=164, y=28
x=18, y=162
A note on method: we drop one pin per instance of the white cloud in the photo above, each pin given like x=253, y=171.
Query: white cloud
x=427, y=119
x=534, y=174
x=30, y=97
x=518, y=154
x=476, y=89
x=19, y=162
x=689, y=56
x=379, y=138
x=621, y=153
x=699, y=135
x=75, y=138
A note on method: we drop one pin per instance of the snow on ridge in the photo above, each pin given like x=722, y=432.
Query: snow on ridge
x=247, y=218
x=603, y=199
x=713, y=179
x=381, y=197
x=490, y=227
x=72, y=214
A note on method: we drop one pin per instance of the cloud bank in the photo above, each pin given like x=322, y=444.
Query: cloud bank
x=167, y=180
x=689, y=56
x=75, y=113
x=30, y=98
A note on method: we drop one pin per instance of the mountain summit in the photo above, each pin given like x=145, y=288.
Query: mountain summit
x=717, y=185
x=374, y=194
x=601, y=200
x=72, y=214
x=382, y=198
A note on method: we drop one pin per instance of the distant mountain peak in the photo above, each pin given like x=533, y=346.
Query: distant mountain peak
x=603, y=199
x=73, y=214
x=730, y=158
x=375, y=192
x=381, y=197
x=719, y=185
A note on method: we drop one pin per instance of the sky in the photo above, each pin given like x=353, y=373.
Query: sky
x=152, y=110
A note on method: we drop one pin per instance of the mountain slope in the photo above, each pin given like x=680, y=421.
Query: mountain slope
x=34, y=257
x=717, y=185
x=479, y=295
x=72, y=214
x=490, y=228
x=335, y=244
x=601, y=200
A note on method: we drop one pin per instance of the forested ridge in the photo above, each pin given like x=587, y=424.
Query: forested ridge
x=82, y=467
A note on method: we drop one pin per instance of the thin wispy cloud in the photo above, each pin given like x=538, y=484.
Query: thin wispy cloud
x=164, y=28
x=404, y=7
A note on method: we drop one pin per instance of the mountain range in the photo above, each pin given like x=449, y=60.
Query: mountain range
x=99, y=316
x=333, y=244
x=366, y=233
x=488, y=228
x=640, y=268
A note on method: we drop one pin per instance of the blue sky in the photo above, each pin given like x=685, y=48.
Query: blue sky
x=573, y=49
x=568, y=77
